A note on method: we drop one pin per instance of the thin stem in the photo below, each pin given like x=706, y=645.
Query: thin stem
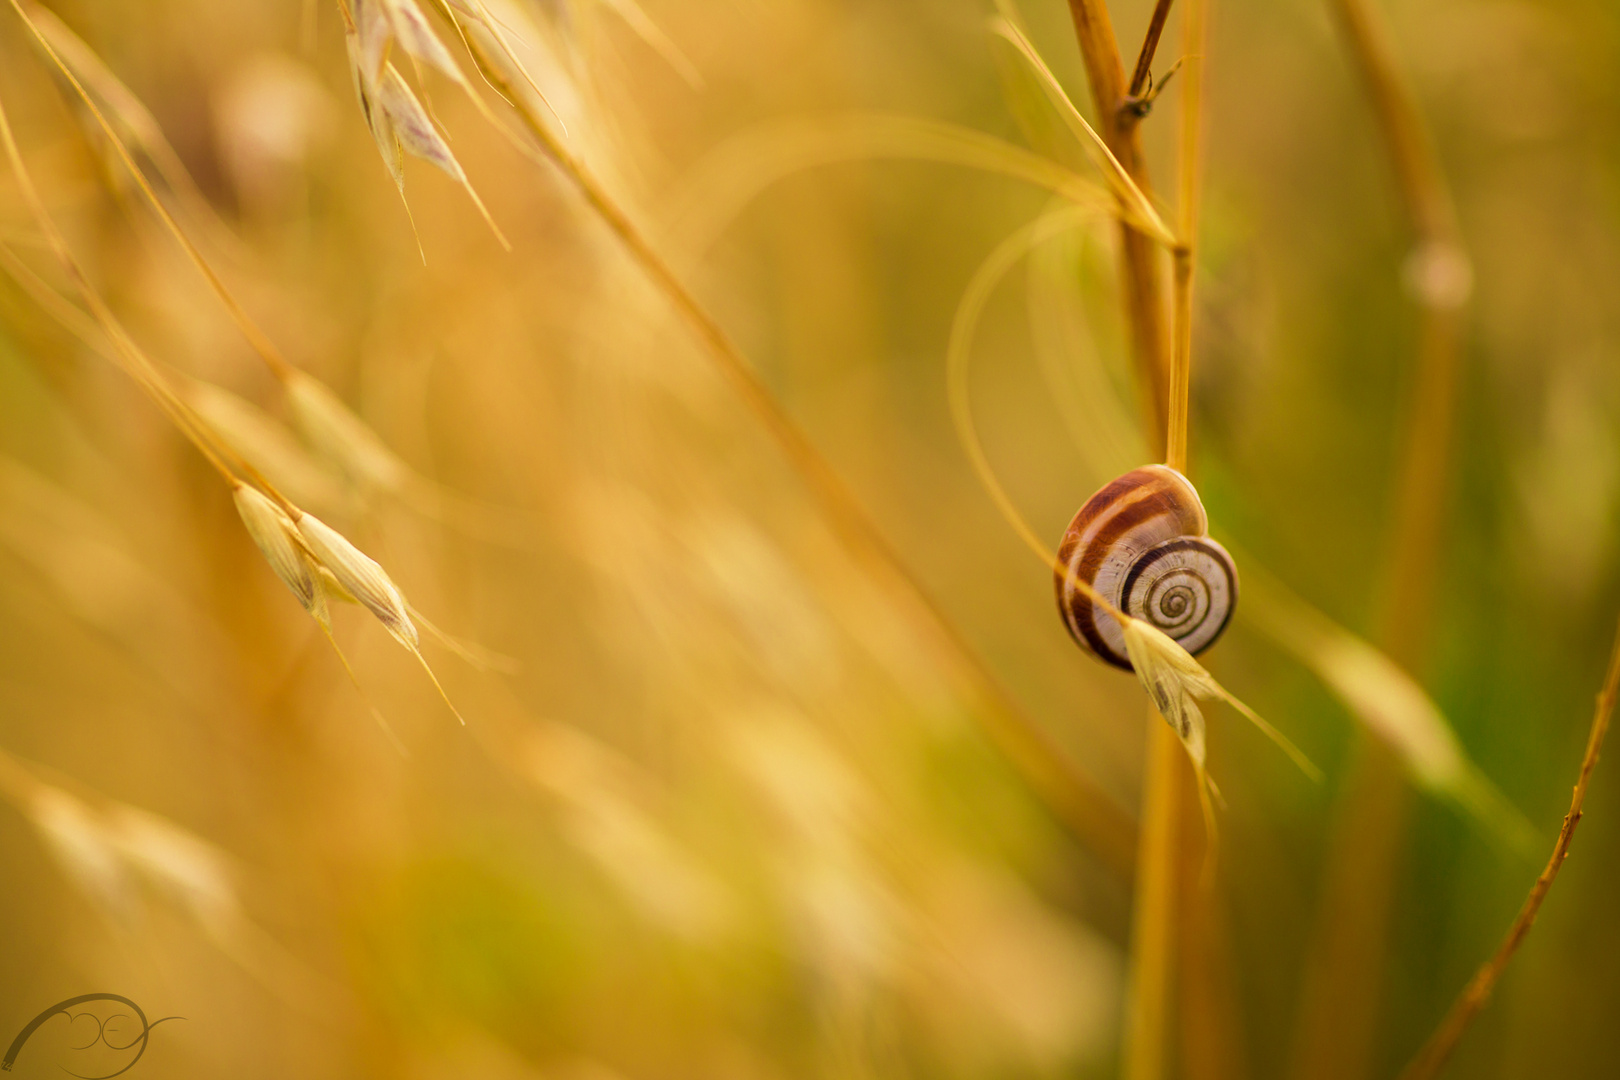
x=129, y=356
x=1190, y=175
x=1338, y=1010
x=261, y=343
x=1140, y=266
x=958, y=353
x=1150, y=45
x=114, y=345
x=1153, y=916
x=1175, y=448
x=1136, y=209
x=1424, y=195
x=1170, y=778
x=1432, y=1058
x=1093, y=816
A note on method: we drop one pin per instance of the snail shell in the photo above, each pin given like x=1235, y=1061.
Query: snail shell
x=1141, y=543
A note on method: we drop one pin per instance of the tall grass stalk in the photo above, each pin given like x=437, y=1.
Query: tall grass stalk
x=1437, y=1051
x=1210, y=1032
x=1170, y=780
x=1344, y=969
x=1140, y=268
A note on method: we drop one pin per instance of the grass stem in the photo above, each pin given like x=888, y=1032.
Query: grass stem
x=1432, y=1058
x=1338, y=1015
x=1153, y=916
x=1170, y=778
x=1143, y=72
x=1139, y=254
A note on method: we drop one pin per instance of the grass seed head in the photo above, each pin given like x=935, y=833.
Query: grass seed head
x=377, y=122
x=402, y=21
x=1175, y=682
x=279, y=541
x=361, y=577
x=412, y=125
x=1172, y=679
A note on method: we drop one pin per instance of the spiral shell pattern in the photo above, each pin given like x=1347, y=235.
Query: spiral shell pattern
x=1141, y=543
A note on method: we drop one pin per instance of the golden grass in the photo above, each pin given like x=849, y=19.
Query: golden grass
x=720, y=805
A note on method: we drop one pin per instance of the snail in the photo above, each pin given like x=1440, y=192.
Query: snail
x=1142, y=544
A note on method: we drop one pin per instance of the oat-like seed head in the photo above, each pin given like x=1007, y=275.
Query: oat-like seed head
x=278, y=540
x=361, y=577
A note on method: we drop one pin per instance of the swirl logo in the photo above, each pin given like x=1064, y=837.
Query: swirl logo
x=105, y=1033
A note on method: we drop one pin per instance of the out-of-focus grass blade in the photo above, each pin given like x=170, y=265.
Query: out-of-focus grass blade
x=1383, y=697
x=715, y=192
x=1138, y=209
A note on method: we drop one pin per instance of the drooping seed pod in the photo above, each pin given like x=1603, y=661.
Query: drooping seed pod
x=1141, y=544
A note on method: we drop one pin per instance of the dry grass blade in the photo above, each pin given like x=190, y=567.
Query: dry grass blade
x=342, y=438
x=80, y=844
x=958, y=358
x=480, y=657
x=361, y=456
x=1102, y=429
x=1432, y=1058
x=1137, y=207
x=68, y=546
x=638, y=20
x=1386, y=701
x=477, y=16
x=404, y=21
x=248, y=433
x=717, y=190
x=108, y=848
x=68, y=315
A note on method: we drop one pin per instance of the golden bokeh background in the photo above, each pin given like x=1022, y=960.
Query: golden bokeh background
x=733, y=798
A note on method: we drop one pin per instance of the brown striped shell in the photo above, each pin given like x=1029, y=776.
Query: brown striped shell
x=1141, y=543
